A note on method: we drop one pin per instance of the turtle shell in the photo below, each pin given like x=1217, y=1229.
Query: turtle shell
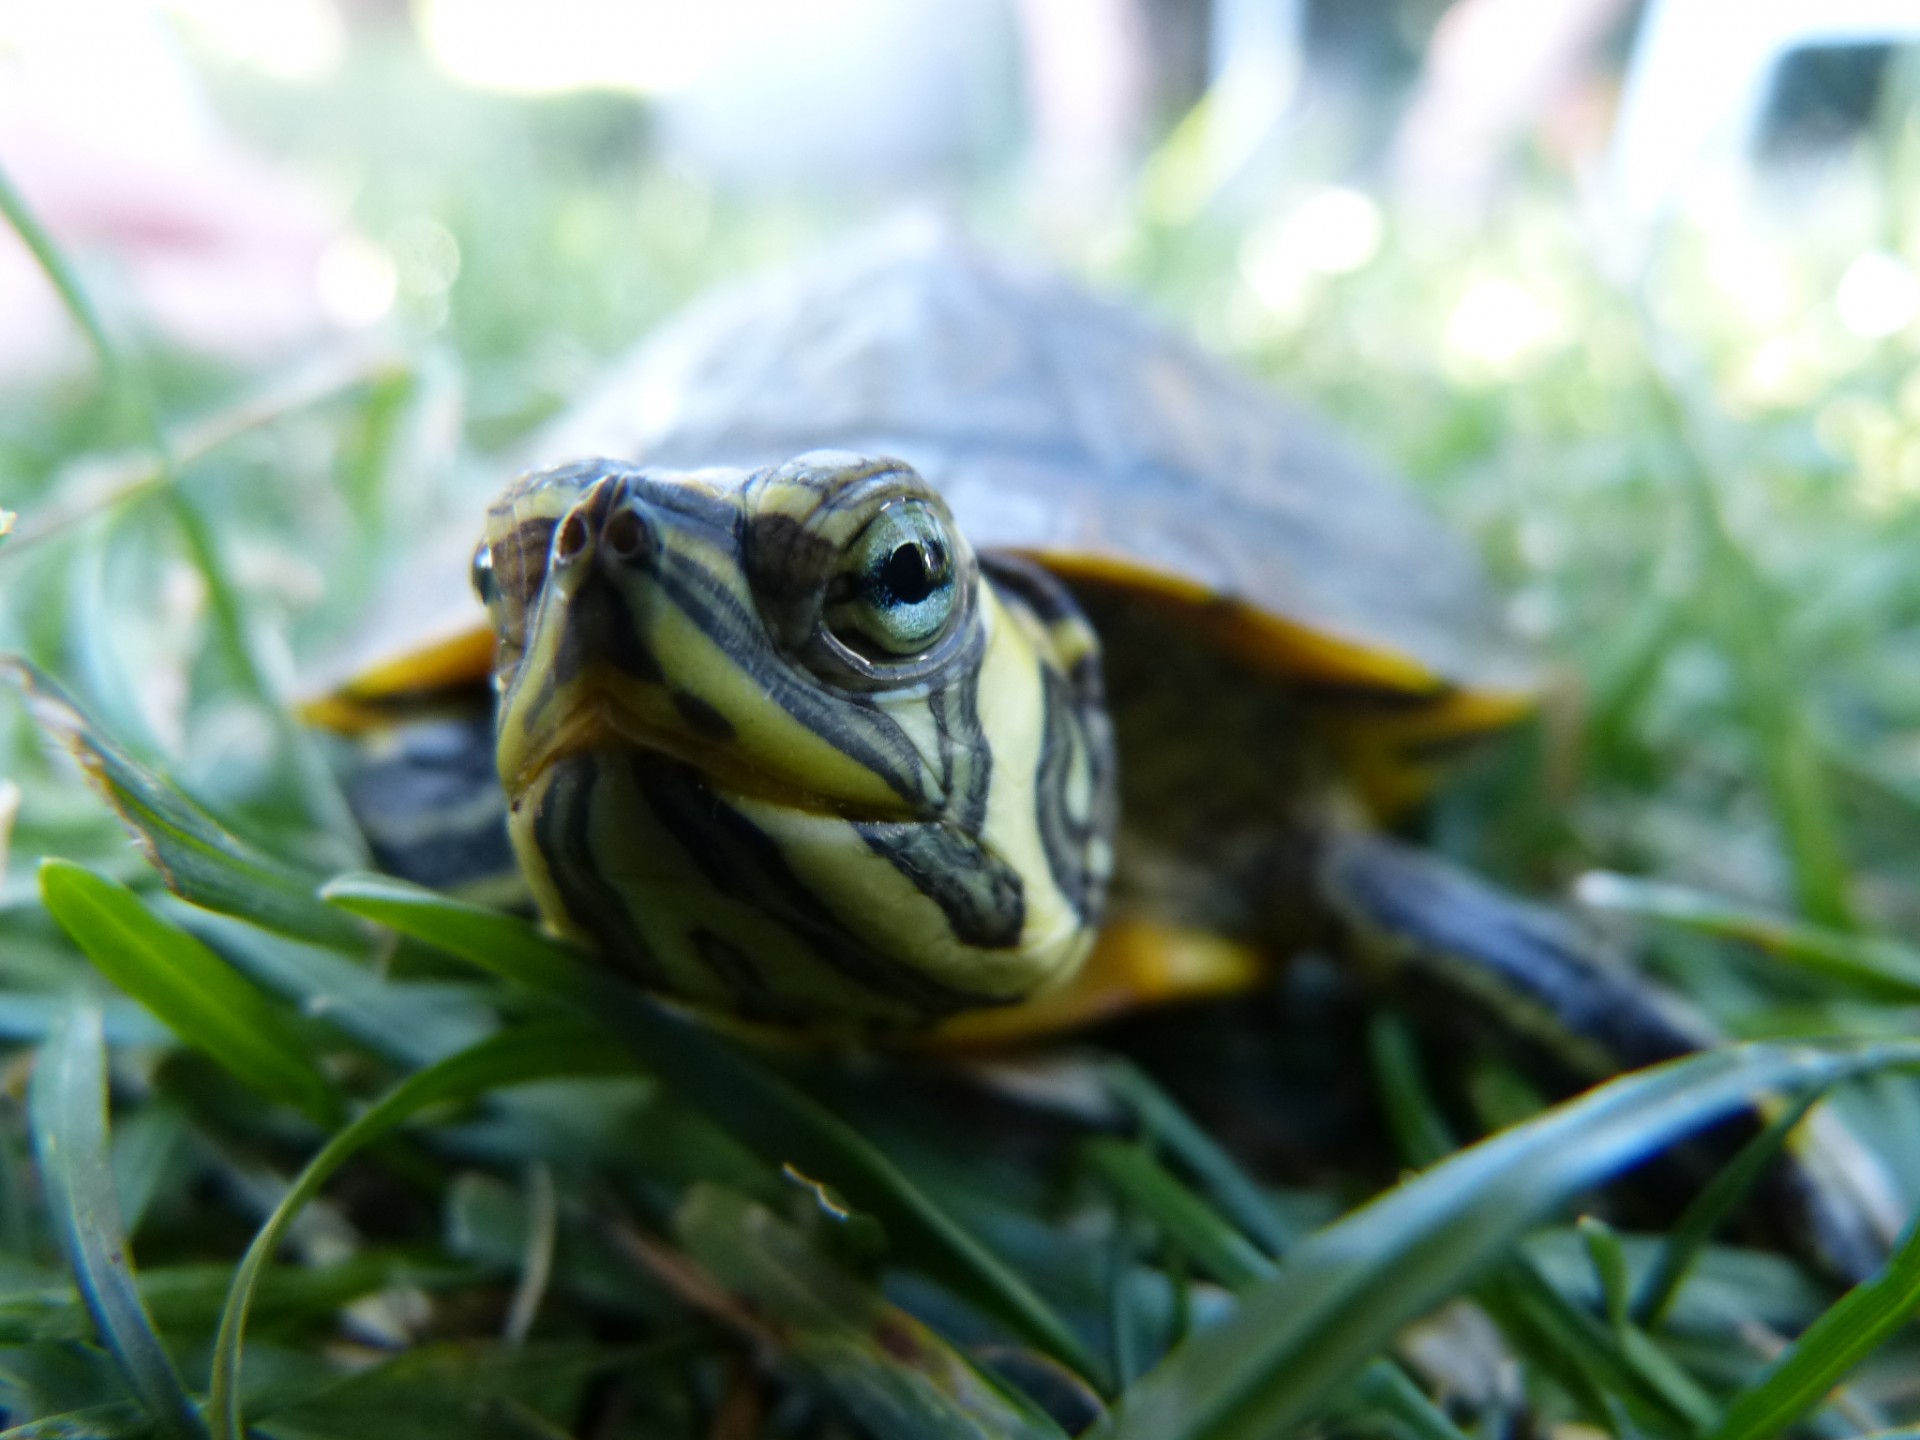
x=1066, y=427
x=1078, y=431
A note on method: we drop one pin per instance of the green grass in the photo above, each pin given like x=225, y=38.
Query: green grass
x=306, y=1153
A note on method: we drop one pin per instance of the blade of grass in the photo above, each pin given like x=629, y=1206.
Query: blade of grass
x=890, y=1371
x=1232, y=1188
x=464, y=1390
x=1611, y=1367
x=196, y=856
x=1187, y=1220
x=191, y=1297
x=1123, y=1321
x=1232, y=1259
x=1749, y=618
x=1609, y=1260
x=96, y=1422
x=1385, y=1387
x=1347, y=1290
x=94, y=485
x=1839, y=1340
x=129, y=389
x=68, y=1107
x=34, y=1017
x=1681, y=1247
x=201, y=998
x=1882, y=966
x=1624, y=673
x=73, y=296
x=95, y=660
x=763, y=1110
x=145, y=1146
x=411, y=1023
x=536, y=1265
x=1623, y=1367
x=515, y=1057
x=1418, y=1127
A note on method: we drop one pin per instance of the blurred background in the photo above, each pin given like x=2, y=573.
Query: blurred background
x=1628, y=289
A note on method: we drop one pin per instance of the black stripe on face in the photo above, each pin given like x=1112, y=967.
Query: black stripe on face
x=1076, y=728
x=738, y=974
x=517, y=562
x=563, y=833
x=980, y=895
x=520, y=560
x=943, y=743
x=850, y=723
x=1074, y=731
x=675, y=497
x=600, y=629
x=962, y=742
x=788, y=561
x=703, y=718
x=741, y=861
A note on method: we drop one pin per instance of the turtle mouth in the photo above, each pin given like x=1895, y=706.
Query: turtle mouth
x=608, y=722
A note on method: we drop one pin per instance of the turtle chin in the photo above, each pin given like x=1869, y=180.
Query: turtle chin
x=744, y=903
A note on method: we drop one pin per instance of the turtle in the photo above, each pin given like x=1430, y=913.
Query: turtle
x=919, y=645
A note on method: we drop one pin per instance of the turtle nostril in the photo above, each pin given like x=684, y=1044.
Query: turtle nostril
x=626, y=535
x=572, y=538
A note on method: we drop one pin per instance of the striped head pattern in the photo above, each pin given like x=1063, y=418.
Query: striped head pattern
x=780, y=744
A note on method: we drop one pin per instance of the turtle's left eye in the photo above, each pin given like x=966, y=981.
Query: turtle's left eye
x=893, y=594
x=482, y=575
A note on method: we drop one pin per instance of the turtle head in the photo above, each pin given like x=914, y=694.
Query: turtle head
x=773, y=742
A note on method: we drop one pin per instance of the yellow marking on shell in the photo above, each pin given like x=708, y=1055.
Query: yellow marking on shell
x=1381, y=752
x=1255, y=636
x=368, y=701
x=1134, y=964
x=1379, y=749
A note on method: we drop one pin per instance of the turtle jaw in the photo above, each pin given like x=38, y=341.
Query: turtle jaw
x=615, y=717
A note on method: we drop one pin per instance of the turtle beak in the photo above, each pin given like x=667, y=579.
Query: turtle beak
x=628, y=651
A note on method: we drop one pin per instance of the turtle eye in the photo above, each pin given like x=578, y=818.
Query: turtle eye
x=893, y=593
x=482, y=575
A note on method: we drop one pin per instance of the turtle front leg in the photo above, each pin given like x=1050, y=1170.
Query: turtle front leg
x=1530, y=978
x=1135, y=964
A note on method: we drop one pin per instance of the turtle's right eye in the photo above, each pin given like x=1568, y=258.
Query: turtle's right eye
x=895, y=592
x=483, y=584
